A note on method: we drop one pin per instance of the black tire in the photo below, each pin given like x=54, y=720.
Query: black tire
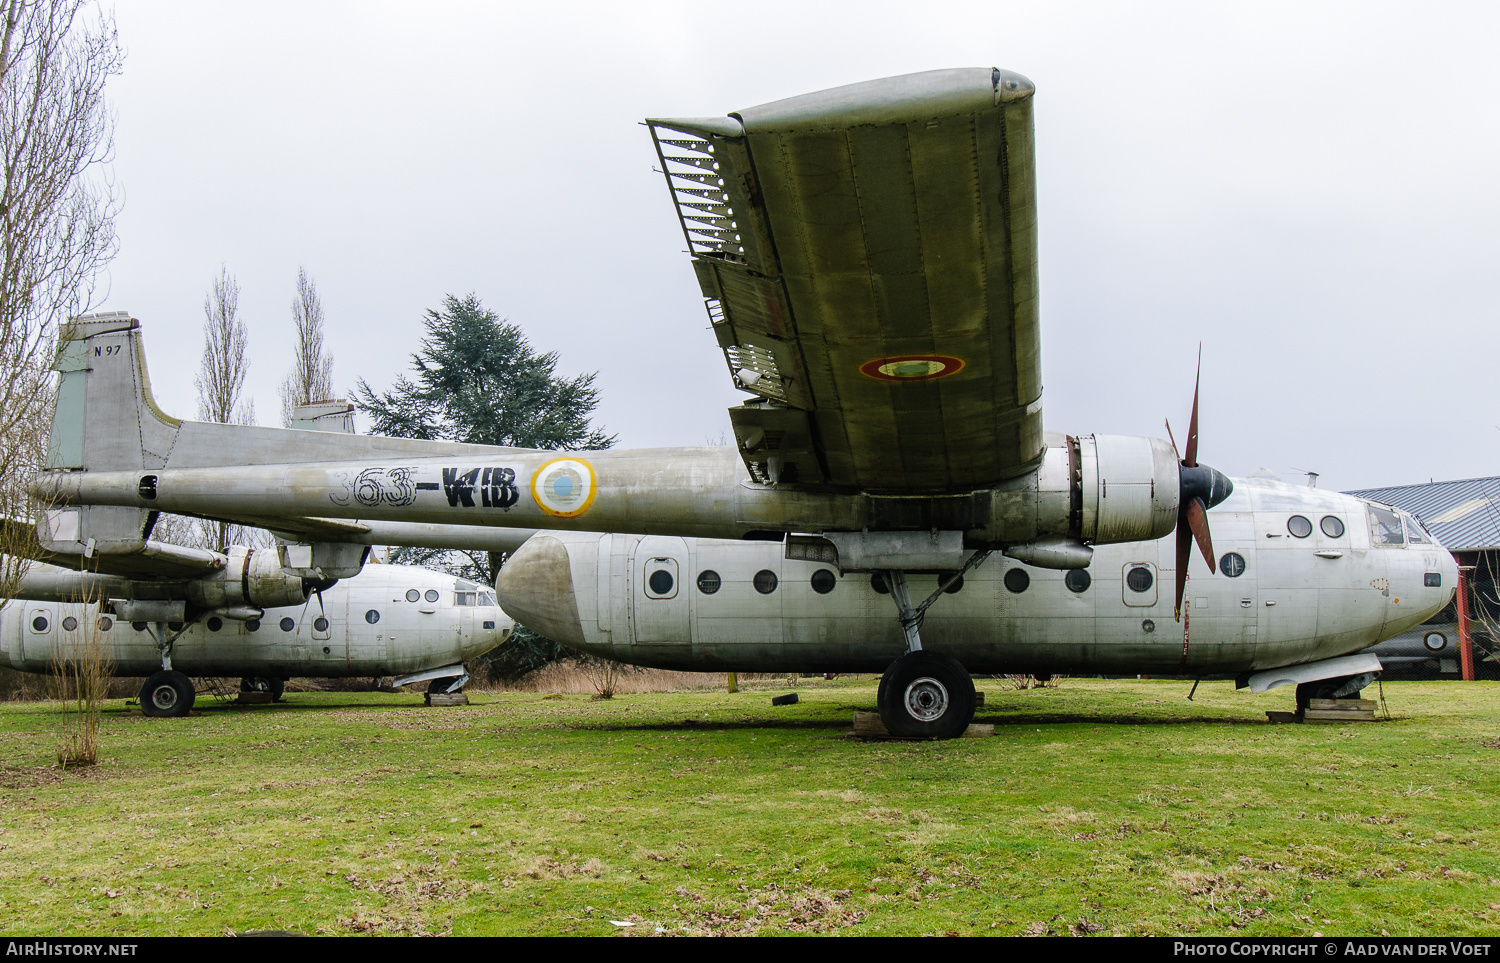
x=167, y=694
x=438, y=686
x=926, y=695
x=259, y=683
x=1317, y=689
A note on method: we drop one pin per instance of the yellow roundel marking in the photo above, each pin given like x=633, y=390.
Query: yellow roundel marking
x=564, y=487
x=912, y=367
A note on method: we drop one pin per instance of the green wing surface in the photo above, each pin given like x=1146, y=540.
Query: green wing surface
x=868, y=259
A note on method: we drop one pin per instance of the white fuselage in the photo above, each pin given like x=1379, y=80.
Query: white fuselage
x=1294, y=599
x=364, y=626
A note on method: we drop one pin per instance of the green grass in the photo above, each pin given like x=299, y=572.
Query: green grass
x=1107, y=807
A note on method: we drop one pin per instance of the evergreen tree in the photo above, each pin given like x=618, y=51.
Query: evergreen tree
x=477, y=380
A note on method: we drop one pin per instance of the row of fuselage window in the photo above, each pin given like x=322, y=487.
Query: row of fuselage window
x=1139, y=578
x=40, y=624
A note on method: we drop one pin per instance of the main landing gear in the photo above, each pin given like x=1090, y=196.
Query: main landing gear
x=923, y=694
x=167, y=693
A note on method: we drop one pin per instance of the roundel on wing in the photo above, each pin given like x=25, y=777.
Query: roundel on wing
x=912, y=367
x=564, y=487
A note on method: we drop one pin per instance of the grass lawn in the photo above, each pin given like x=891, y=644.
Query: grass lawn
x=1098, y=807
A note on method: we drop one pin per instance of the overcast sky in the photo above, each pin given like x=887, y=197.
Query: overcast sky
x=1310, y=190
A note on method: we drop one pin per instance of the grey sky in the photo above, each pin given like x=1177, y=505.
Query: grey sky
x=1309, y=189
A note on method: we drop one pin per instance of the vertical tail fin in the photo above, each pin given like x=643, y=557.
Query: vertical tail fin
x=106, y=420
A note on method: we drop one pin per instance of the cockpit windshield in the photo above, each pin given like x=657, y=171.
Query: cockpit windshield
x=468, y=593
x=1415, y=533
x=1385, y=527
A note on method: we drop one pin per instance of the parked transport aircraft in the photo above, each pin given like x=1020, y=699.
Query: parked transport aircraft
x=1304, y=576
x=390, y=620
x=868, y=260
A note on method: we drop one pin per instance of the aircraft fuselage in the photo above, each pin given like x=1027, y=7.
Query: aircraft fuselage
x=705, y=604
x=364, y=627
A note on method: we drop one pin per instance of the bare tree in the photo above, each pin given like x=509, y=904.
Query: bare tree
x=312, y=374
x=221, y=380
x=221, y=374
x=56, y=216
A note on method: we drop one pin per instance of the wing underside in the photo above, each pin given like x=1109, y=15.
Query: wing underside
x=868, y=260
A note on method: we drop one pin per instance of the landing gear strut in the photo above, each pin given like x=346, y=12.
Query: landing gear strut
x=923, y=694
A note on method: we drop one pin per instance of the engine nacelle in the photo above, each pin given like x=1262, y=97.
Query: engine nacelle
x=1089, y=490
x=1128, y=488
x=253, y=577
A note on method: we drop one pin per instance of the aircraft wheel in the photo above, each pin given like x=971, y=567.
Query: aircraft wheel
x=167, y=694
x=1325, y=689
x=272, y=684
x=926, y=695
x=441, y=685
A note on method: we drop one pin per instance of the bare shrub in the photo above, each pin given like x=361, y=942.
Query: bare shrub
x=1044, y=681
x=82, y=671
x=572, y=678
x=604, y=676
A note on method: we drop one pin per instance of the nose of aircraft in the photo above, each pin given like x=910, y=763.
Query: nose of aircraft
x=536, y=588
x=492, y=632
x=1448, y=565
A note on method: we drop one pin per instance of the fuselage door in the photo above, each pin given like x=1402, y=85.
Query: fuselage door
x=661, y=605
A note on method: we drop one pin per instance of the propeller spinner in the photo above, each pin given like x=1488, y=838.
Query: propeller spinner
x=1201, y=488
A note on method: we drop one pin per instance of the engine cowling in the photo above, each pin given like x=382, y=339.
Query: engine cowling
x=1089, y=490
x=253, y=577
x=1127, y=488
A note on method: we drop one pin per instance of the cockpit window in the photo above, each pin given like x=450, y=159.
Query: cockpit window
x=1385, y=527
x=1415, y=533
x=465, y=593
x=487, y=598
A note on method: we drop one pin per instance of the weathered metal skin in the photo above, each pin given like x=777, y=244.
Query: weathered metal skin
x=1296, y=600
x=405, y=637
x=698, y=492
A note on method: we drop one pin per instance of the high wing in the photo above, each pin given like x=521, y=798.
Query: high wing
x=868, y=256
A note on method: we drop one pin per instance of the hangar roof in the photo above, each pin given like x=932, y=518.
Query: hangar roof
x=1464, y=515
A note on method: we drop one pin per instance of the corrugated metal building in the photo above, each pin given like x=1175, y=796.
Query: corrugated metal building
x=1464, y=516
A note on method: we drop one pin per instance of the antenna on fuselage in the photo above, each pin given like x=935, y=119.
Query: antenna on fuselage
x=1312, y=476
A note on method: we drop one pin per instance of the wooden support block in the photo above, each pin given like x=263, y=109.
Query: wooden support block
x=447, y=699
x=254, y=699
x=1338, y=715
x=1280, y=718
x=867, y=725
x=1341, y=703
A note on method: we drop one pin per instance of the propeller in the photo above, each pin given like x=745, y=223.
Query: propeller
x=1201, y=488
x=315, y=586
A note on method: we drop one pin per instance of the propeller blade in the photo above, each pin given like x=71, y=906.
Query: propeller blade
x=1184, y=553
x=1175, y=450
x=1197, y=520
x=1190, y=458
